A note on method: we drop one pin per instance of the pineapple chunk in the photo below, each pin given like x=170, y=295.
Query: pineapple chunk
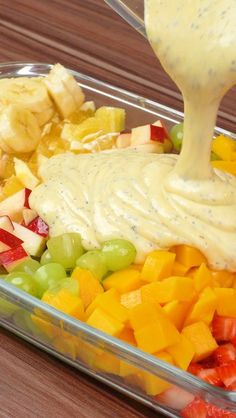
x=25, y=175
x=113, y=118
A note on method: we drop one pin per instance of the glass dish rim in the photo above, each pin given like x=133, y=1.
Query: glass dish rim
x=146, y=361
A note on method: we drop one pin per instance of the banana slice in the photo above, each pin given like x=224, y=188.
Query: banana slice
x=30, y=93
x=19, y=130
x=65, y=91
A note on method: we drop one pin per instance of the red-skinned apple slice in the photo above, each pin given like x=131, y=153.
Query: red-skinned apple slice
x=13, y=205
x=123, y=140
x=39, y=227
x=11, y=258
x=167, y=144
x=33, y=243
x=8, y=240
x=144, y=134
x=28, y=216
x=6, y=223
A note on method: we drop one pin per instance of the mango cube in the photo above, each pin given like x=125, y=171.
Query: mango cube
x=223, y=278
x=189, y=256
x=131, y=299
x=179, y=269
x=158, y=265
x=176, y=312
x=182, y=352
x=223, y=147
x=226, y=302
x=203, y=342
x=66, y=302
x=204, y=309
x=144, y=314
x=157, y=336
x=104, y=322
x=202, y=277
x=124, y=280
x=89, y=286
x=153, y=385
x=107, y=363
x=174, y=288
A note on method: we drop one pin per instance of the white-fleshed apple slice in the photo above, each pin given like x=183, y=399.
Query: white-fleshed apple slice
x=146, y=133
x=13, y=205
x=11, y=258
x=6, y=223
x=28, y=215
x=8, y=240
x=123, y=140
x=33, y=243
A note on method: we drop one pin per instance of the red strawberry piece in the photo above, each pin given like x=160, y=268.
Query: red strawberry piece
x=194, y=368
x=214, y=412
x=210, y=376
x=196, y=409
x=227, y=373
x=208, y=363
x=232, y=386
x=233, y=341
x=224, y=354
x=224, y=328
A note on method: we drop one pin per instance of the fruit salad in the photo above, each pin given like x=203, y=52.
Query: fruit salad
x=173, y=306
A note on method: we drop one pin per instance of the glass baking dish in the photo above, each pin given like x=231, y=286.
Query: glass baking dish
x=107, y=359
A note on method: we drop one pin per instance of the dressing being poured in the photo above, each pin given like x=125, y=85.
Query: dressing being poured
x=157, y=201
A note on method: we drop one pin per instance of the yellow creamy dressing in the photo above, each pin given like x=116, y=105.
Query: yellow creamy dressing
x=157, y=201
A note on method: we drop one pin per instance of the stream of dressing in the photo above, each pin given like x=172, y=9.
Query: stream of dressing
x=157, y=201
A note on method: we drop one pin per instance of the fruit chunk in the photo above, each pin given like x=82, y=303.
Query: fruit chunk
x=176, y=312
x=28, y=216
x=153, y=385
x=119, y=254
x=124, y=281
x=8, y=240
x=107, y=363
x=228, y=166
x=104, y=322
x=23, y=281
x=147, y=133
x=64, y=90
x=11, y=258
x=202, y=277
x=222, y=278
x=223, y=147
x=110, y=303
x=224, y=328
x=227, y=373
x=182, y=352
x=204, y=308
x=38, y=226
x=200, y=336
x=157, y=336
x=113, y=118
x=226, y=303
x=6, y=224
x=210, y=376
x=24, y=174
x=66, y=302
x=123, y=141
x=158, y=265
x=144, y=314
x=89, y=286
x=95, y=261
x=13, y=205
x=175, y=398
x=33, y=243
x=65, y=249
x=189, y=256
x=225, y=354
x=131, y=299
x=168, y=290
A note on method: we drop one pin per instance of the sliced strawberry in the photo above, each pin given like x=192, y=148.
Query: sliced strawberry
x=224, y=354
x=227, y=373
x=195, y=368
x=208, y=363
x=196, y=409
x=214, y=412
x=232, y=386
x=233, y=341
x=224, y=328
x=210, y=376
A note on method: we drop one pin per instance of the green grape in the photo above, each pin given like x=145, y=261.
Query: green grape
x=48, y=275
x=70, y=284
x=7, y=308
x=176, y=136
x=23, y=281
x=65, y=249
x=119, y=254
x=28, y=266
x=95, y=261
x=46, y=258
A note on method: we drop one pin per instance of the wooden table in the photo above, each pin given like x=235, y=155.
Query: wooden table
x=87, y=36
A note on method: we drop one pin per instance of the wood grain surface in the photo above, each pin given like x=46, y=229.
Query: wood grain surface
x=87, y=36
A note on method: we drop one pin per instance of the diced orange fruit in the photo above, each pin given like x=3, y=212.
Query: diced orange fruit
x=179, y=269
x=223, y=278
x=131, y=374
x=157, y=336
x=143, y=314
x=176, y=312
x=174, y=288
x=227, y=166
x=223, y=147
x=188, y=256
x=226, y=302
x=153, y=385
x=157, y=266
x=66, y=302
x=127, y=335
x=89, y=286
x=124, y=280
x=200, y=336
x=182, y=352
x=104, y=322
x=131, y=299
x=66, y=345
x=107, y=363
x=202, y=277
x=102, y=300
x=204, y=308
